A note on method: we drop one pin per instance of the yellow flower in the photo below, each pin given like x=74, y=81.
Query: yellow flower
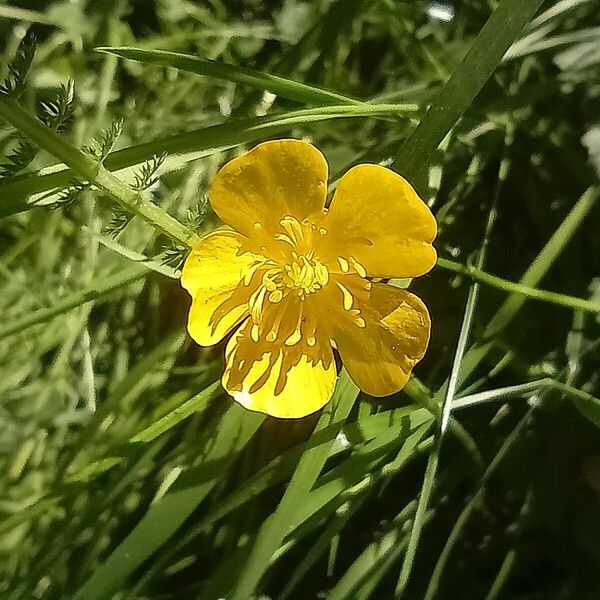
x=296, y=278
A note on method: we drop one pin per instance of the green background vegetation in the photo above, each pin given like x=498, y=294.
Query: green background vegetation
x=126, y=472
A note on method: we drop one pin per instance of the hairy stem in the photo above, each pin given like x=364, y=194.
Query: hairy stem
x=89, y=169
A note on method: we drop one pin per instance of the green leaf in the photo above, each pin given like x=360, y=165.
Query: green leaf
x=484, y=55
x=287, y=88
x=198, y=403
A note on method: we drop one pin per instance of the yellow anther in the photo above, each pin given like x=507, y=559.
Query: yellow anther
x=321, y=273
x=275, y=296
x=269, y=284
x=305, y=274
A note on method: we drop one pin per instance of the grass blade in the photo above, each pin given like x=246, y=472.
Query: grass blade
x=286, y=88
x=165, y=517
x=485, y=54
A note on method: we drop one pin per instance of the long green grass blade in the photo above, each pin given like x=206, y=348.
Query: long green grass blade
x=484, y=55
x=544, y=260
x=282, y=86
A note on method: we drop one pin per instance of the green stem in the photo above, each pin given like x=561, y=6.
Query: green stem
x=503, y=575
x=417, y=392
x=518, y=288
x=544, y=260
x=91, y=170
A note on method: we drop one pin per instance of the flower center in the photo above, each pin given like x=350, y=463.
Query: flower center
x=305, y=274
x=298, y=269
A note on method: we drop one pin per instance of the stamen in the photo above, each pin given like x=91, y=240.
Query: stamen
x=360, y=322
x=322, y=274
x=275, y=296
x=269, y=284
x=255, y=332
x=255, y=303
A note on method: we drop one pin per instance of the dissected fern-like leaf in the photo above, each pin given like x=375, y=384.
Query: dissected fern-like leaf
x=118, y=222
x=173, y=256
x=58, y=113
x=146, y=177
x=14, y=84
x=20, y=158
x=103, y=143
x=196, y=216
x=70, y=195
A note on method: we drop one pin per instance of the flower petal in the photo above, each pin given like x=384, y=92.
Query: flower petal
x=381, y=221
x=275, y=179
x=380, y=356
x=280, y=381
x=217, y=276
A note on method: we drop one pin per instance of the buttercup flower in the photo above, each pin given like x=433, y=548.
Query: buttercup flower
x=295, y=278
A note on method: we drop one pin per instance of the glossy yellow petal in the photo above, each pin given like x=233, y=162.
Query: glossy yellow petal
x=280, y=381
x=217, y=276
x=254, y=191
x=377, y=217
x=380, y=355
